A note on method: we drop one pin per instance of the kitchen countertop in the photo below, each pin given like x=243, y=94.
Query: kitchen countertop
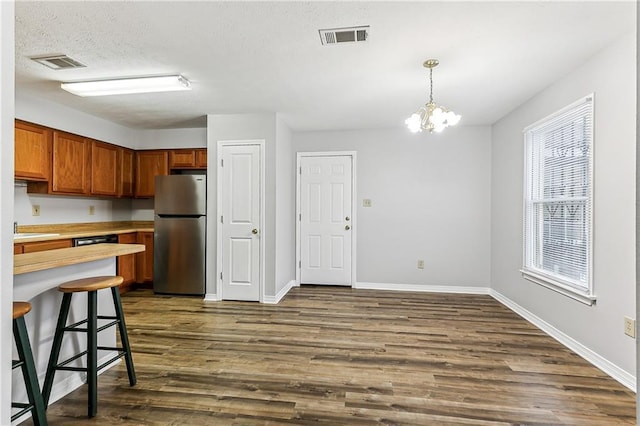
x=31, y=262
x=78, y=230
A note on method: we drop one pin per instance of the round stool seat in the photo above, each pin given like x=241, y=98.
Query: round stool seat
x=20, y=309
x=90, y=284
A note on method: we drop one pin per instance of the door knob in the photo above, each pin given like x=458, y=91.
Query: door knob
x=254, y=231
x=347, y=227
x=347, y=218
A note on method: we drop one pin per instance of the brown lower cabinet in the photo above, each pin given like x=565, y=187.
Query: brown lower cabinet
x=126, y=265
x=136, y=268
x=43, y=246
x=144, y=260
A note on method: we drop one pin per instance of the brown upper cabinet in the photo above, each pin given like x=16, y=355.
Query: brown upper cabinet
x=57, y=162
x=105, y=168
x=32, y=150
x=149, y=164
x=188, y=159
x=201, y=158
x=126, y=176
x=70, y=166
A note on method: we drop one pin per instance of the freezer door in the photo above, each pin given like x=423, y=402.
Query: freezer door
x=179, y=255
x=180, y=195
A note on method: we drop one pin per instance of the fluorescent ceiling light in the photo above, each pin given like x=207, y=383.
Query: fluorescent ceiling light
x=123, y=86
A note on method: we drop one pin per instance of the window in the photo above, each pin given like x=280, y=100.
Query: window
x=558, y=201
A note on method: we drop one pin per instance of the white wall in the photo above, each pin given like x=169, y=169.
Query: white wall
x=611, y=74
x=66, y=209
x=430, y=197
x=6, y=203
x=637, y=211
x=172, y=138
x=285, y=232
x=40, y=111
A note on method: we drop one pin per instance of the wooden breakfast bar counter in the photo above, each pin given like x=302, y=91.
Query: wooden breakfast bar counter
x=31, y=262
x=36, y=278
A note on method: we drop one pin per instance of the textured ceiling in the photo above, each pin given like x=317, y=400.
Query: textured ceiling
x=267, y=57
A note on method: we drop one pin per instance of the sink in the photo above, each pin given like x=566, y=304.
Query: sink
x=32, y=235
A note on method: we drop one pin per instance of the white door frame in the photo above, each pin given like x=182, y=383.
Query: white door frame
x=354, y=223
x=219, y=263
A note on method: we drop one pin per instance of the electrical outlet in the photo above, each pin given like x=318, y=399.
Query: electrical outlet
x=92, y=210
x=366, y=202
x=630, y=327
x=420, y=264
x=35, y=210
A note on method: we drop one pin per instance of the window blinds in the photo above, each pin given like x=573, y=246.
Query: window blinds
x=558, y=195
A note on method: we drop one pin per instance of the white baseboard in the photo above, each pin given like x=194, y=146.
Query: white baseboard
x=422, y=288
x=64, y=387
x=211, y=297
x=620, y=375
x=272, y=300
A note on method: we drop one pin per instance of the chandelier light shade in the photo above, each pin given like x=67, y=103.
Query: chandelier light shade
x=431, y=117
x=125, y=86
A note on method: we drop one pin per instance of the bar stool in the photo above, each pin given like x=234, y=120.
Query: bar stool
x=90, y=286
x=29, y=374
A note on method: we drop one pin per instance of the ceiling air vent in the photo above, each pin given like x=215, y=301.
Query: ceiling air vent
x=344, y=35
x=58, y=62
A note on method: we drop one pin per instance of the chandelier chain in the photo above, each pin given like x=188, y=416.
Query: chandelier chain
x=430, y=85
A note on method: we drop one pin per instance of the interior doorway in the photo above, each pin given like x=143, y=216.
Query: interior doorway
x=240, y=255
x=326, y=225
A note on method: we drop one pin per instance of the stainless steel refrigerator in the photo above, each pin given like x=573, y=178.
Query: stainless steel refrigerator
x=179, y=236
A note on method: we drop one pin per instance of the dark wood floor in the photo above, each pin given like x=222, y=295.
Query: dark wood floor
x=341, y=356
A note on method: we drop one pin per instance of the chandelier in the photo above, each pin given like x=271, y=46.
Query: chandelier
x=431, y=117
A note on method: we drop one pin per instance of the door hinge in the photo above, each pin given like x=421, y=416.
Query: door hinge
x=300, y=169
x=222, y=162
x=299, y=263
x=220, y=276
x=300, y=216
x=221, y=219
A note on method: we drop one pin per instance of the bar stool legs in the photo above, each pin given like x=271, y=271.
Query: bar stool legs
x=124, y=337
x=91, y=287
x=25, y=362
x=55, y=348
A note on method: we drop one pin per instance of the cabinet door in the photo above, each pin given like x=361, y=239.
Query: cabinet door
x=18, y=248
x=32, y=151
x=71, y=163
x=149, y=164
x=126, y=265
x=144, y=260
x=46, y=245
x=201, y=158
x=182, y=158
x=104, y=168
x=126, y=176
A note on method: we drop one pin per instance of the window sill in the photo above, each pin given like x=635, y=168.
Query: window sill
x=565, y=290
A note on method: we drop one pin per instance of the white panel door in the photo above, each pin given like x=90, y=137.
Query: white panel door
x=325, y=220
x=240, y=222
